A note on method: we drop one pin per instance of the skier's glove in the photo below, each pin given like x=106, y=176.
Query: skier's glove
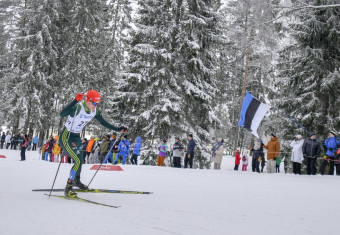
x=79, y=96
x=123, y=129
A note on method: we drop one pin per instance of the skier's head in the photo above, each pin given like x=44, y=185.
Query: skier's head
x=92, y=99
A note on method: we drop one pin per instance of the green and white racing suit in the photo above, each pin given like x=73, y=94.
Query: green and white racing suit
x=78, y=116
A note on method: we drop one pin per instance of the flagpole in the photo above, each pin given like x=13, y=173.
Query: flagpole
x=244, y=85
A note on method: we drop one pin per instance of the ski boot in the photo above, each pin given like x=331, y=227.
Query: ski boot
x=68, y=189
x=79, y=184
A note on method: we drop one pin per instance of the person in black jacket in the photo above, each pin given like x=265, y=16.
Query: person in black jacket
x=257, y=150
x=189, y=157
x=3, y=137
x=311, y=150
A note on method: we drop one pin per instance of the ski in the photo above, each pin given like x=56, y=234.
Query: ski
x=94, y=191
x=82, y=200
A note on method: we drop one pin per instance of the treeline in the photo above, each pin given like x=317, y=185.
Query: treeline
x=169, y=67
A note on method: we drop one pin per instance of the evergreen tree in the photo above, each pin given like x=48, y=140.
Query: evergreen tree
x=309, y=79
x=170, y=85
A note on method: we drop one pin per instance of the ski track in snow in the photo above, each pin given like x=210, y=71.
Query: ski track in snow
x=184, y=201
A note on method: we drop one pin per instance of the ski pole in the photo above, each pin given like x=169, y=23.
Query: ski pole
x=104, y=159
x=68, y=136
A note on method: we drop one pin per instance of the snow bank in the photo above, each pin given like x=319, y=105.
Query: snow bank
x=185, y=201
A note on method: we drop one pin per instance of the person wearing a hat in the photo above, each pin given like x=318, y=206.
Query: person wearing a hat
x=273, y=148
x=104, y=148
x=189, y=157
x=79, y=112
x=136, y=151
x=163, y=148
x=297, y=154
x=257, y=150
x=177, y=153
x=110, y=153
x=331, y=144
x=217, y=154
x=311, y=150
x=124, y=149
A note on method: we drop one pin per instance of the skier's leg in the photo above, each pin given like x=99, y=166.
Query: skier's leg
x=74, y=149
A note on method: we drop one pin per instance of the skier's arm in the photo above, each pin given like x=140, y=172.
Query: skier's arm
x=102, y=121
x=69, y=109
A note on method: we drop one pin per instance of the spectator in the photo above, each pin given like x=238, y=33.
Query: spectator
x=8, y=139
x=244, y=162
x=136, y=151
x=104, y=148
x=258, y=155
x=273, y=148
x=94, y=156
x=177, y=153
x=84, y=144
x=35, y=141
x=124, y=149
x=109, y=156
x=89, y=149
x=14, y=141
x=331, y=144
x=263, y=163
x=23, y=147
x=297, y=154
x=56, y=152
x=3, y=138
x=189, y=157
x=278, y=162
x=311, y=150
x=237, y=160
x=163, y=148
x=29, y=142
x=48, y=149
x=337, y=162
x=115, y=151
x=217, y=154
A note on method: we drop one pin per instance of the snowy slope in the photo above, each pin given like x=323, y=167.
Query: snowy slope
x=184, y=201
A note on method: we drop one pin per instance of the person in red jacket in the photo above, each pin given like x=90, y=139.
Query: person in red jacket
x=237, y=160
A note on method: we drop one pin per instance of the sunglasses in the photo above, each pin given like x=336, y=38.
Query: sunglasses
x=93, y=103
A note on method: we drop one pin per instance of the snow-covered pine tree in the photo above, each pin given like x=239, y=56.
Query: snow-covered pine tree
x=170, y=85
x=244, y=26
x=7, y=52
x=115, y=45
x=197, y=65
x=82, y=35
x=309, y=78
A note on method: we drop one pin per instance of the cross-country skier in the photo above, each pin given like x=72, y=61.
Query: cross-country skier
x=79, y=114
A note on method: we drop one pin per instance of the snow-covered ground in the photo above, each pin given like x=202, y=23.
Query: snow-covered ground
x=184, y=201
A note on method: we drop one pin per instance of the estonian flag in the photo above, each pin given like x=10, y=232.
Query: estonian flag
x=252, y=113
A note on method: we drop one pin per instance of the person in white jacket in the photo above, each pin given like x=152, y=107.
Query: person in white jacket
x=297, y=154
x=244, y=162
x=8, y=139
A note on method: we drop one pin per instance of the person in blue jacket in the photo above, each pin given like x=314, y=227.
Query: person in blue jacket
x=136, y=151
x=109, y=156
x=331, y=144
x=189, y=157
x=35, y=142
x=124, y=149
